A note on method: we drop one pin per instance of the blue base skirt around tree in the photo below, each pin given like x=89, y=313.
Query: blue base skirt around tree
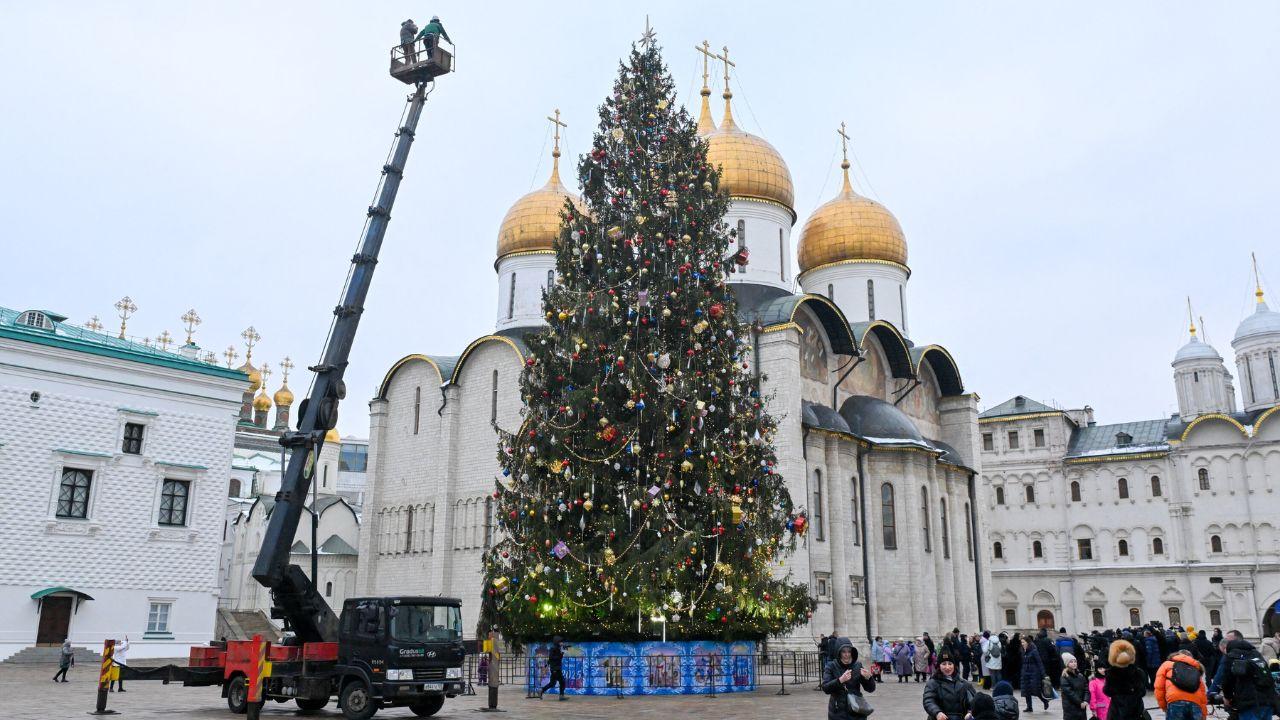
x=693, y=667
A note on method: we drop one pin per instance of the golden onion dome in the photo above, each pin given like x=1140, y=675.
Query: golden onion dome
x=283, y=396
x=332, y=436
x=255, y=377
x=533, y=223
x=262, y=402
x=850, y=227
x=749, y=166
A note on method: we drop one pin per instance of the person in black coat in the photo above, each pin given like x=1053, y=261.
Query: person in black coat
x=1075, y=690
x=1012, y=661
x=946, y=696
x=844, y=676
x=1032, y=675
x=1126, y=683
x=1049, y=656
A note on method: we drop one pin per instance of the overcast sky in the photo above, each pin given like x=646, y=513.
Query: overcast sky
x=1066, y=173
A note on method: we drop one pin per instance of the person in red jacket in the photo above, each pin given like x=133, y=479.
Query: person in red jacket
x=1179, y=703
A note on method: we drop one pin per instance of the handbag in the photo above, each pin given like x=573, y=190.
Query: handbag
x=1046, y=689
x=858, y=706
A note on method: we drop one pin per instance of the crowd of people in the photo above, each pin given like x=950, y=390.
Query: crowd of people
x=1098, y=675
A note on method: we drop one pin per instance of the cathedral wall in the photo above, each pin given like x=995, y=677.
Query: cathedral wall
x=767, y=239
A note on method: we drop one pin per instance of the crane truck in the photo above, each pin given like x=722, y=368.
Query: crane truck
x=380, y=651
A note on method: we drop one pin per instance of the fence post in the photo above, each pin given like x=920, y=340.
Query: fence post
x=104, y=678
x=782, y=673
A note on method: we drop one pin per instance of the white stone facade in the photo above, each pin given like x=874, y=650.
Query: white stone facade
x=764, y=229
x=865, y=290
x=64, y=405
x=522, y=278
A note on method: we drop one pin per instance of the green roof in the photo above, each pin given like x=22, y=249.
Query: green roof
x=81, y=339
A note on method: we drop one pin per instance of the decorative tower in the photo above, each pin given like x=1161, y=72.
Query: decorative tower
x=262, y=403
x=1257, y=346
x=1201, y=378
x=753, y=173
x=251, y=338
x=526, y=263
x=853, y=251
x=283, y=397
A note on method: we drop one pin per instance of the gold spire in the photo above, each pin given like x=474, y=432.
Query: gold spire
x=727, y=94
x=1191, y=318
x=555, y=151
x=1257, y=280
x=844, y=154
x=706, y=125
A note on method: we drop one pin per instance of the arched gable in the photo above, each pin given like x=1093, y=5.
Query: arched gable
x=1214, y=420
x=780, y=313
x=943, y=365
x=1270, y=420
x=443, y=366
x=891, y=341
x=466, y=354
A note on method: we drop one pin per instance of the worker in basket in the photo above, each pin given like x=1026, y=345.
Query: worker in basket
x=432, y=33
x=408, y=34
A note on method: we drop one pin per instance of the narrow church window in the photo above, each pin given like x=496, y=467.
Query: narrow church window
x=1204, y=478
x=1075, y=491
x=417, y=407
x=856, y=511
x=1122, y=548
x=1195, y=376
x=997, y=550
x=1155, y=486
x=988, y=442
x=493, y=400
x=1157, y=546
x=946, y=541
x=488, y=522
x=782, y=257
x=902, y=305
x=1010, y=617
x=408, y=531
x=1013, y=440
x=999, y=496
x=742, y=234
x=1039, y=437
x=1175, y=616
x=1030, y=491
x=1215, y=543
x=871, y=299
x=831, y=292
x=1122, y=488
x=511, y=298
x=1275, y=384
x=324, y=476
x=328, y=589
x=817, y=506
x=1084, y=548
x=1248, y=370
x=968, y=531
x=1135, y=617
x=551, y=278
x=1037, y=549
x=887, y=520
x=1097, y=617
x=1215, y=617
x=924, y=518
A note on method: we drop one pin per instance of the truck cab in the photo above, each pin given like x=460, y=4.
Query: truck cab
x=404, y=651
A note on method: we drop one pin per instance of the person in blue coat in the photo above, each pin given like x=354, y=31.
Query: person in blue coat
x=1032, y=677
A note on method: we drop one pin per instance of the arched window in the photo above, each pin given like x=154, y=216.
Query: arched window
x=1215, y=543
x=1156, y=490
x=493, y=399
x=551, y=278
x=999, y=496
x=818, y=531
x=871, y=299
x=511, y=298
x=924, y=518
x=1097, y=617
x=1135, y=617
x=1122, y=488
x=855, y=511
x=1157, y=546
x=1215, y=617
x=997, y=550
x=1175, y=616
x=946, y=541
x=887, y=520
x=1122, y=548
x=1030, y=492
x=742, y=234
x=1037, y=549
x=1203, y=473
x=1075, y=491
x=328, y=589
x=831, y=292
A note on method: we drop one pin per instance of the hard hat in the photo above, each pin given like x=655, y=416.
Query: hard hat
x=435, y=18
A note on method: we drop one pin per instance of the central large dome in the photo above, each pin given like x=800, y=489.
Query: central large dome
x=533, y=222
x=749, y=166
x=850, y=227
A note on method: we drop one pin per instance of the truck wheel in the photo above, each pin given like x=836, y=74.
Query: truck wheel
x=306, y=706
x=357, y=702
x=428, y=706
x=238, y=695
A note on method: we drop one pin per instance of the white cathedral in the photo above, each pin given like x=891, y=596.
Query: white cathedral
x=878, y=439
x=1175, y=519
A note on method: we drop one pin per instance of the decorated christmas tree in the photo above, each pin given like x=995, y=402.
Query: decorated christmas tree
x=642, y=482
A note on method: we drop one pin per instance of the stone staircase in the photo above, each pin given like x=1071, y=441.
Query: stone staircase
x=244, y=624
x=50, y=655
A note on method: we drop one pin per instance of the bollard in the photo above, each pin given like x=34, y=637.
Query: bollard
x=253, y=690
x=104, y=678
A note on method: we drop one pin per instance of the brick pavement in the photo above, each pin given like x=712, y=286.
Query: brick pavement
x=28, y=694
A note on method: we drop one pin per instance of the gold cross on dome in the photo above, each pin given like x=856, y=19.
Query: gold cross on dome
x=251, y=338
x=94, y=324
x=210, y=358
x=164, y=340
x=647, y=38
x=285, y=366
x=125, y=307
x=266, y=373
x=705, y=49
x=191, y=319
x=230, y=354
x=557, y=123
x=844, y=142
x=727, y=64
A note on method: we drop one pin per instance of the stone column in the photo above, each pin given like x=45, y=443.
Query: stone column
x=375, y=487
x=837, y=535
x=442, y=556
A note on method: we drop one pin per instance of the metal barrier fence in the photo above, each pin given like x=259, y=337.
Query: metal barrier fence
x=730, y=673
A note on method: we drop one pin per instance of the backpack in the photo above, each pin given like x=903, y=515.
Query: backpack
x=993, y=649
x=1185, y=676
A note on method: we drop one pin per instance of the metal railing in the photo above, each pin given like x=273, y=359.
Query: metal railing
x=420, y=51
x=718, y=675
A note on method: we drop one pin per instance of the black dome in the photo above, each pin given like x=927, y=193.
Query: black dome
x=873, y=418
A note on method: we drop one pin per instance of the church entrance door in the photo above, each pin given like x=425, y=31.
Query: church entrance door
x=55, y=620
x=1044, y=619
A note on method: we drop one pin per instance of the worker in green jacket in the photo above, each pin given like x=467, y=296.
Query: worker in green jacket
x=432, y=33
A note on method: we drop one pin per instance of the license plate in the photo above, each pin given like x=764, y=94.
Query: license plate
x=429, y=687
